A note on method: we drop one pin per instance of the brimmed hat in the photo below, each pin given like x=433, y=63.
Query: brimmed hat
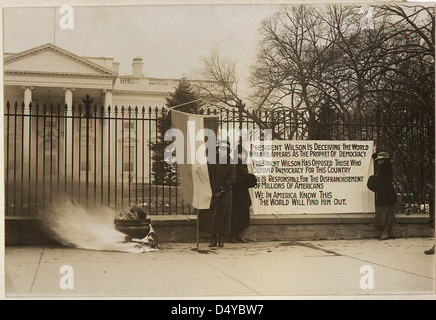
x=382, y=155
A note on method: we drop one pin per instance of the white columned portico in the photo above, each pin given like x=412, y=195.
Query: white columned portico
x=68, y=128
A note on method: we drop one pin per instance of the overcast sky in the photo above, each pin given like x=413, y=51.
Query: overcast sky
x=170, y=39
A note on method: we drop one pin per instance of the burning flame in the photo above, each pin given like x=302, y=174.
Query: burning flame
x=92, y=228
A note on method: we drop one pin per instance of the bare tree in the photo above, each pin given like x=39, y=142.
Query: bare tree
x=343, y=64
x=323, y=61
x=217, y=79
x=218, y=83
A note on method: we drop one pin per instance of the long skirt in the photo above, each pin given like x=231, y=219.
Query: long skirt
x=384, y=215
x=217, y=219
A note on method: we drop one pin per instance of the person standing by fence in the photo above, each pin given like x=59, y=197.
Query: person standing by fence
x=241, y=198
x=431, y=199
x=217, y=219
x=385, y=197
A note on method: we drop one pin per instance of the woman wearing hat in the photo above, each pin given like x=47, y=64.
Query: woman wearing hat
x=217, y=219
x=241, y=197
x=385, y=197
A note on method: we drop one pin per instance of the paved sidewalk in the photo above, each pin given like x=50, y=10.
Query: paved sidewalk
x=257, y=269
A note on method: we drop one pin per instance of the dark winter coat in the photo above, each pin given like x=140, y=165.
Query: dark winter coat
x=217, y=219
x=431, y=192
x=241, y=199
x=383, y=185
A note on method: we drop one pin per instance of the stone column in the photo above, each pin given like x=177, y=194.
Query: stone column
x=107, y=98
x=108, y=136
x=26, y=140
x=27, y=97
x=68, y=143
x=69, y=96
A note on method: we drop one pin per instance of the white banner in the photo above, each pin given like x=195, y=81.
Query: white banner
x=313, y=177
x=194, y=176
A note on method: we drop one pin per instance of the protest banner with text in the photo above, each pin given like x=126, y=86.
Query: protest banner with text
x=313, y=177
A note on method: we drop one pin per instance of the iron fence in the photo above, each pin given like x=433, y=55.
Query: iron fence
x=96, y=156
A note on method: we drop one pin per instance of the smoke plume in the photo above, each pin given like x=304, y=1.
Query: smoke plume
x=93, y=228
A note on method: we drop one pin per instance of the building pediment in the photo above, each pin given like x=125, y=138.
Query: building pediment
x=51, y=60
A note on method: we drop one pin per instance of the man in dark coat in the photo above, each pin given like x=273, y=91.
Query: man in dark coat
x=241, y=199
x=217, y=219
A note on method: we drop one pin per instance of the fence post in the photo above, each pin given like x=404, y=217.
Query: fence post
x=109, y=141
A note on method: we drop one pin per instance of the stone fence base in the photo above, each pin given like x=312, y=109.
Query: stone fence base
x=183, y=228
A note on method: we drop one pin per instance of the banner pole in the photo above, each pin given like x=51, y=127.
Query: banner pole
x=198, y=228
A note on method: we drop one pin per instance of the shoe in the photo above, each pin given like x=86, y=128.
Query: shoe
x=429, y=251
x=220, y=241
x=213, y=241
x=384, y=237
x=385, y=234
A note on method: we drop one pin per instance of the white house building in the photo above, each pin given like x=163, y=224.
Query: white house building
x=49, y=74
x=74, y=148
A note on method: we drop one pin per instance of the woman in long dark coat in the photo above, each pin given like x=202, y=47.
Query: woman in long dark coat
x=385, y=196
x=217, y=219
x=241, y=199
